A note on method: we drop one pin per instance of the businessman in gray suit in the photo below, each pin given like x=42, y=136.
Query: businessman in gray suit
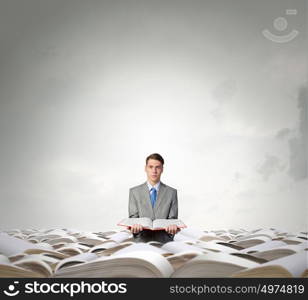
x=155, y=200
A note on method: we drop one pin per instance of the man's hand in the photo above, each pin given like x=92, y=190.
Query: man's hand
x=136, y=228
x=172, y=229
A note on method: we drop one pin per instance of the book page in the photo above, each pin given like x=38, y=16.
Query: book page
x=157, y=260
x=296, y=248
x=119, y=237
x=193, y=233
x=216, y=247
x=176, y=247
x=213, y=264
x=225, y=258
x=66, y=239
x=179, y=259
x=250, y=242
x=112, y=250
x=89, y=235
x=140, y=247
x=163, y=223
x=74, y=246
x=289, y=266
x=10, y=245
x=295, y=263
x=262, y=233
x=263, y=246
x=136, y=264
x=179, y=237
x=293, y=240
x=4, y=260
x=103, y=246
x=38, y=257
x=50, y=234
x=43, y=245
x=76, y=259
x=145, y=222
x=34, y=265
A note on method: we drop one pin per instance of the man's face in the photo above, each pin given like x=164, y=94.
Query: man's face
x=153, y=168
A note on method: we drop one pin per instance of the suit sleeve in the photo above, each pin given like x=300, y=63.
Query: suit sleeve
x=173, y=213
x=132, y=206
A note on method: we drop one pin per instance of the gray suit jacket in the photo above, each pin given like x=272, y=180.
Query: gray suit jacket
x=166, y=206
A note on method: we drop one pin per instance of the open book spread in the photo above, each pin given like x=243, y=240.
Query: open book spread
x=147, y=223
x=57, y=253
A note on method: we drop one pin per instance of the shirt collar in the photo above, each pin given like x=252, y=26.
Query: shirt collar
x=156, y=186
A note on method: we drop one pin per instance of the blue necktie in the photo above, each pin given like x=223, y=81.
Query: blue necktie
x=153, y=194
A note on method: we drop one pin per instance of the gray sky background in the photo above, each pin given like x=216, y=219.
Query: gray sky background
x=89, y=88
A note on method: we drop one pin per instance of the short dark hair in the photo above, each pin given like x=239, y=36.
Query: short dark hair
x=155, y=156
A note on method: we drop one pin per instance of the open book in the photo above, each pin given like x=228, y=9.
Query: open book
x=118, y=255
x=213, y=265
x=21, y=258
x=34, y=265
x=128, y=264
x=295, y=265
x=147, y=223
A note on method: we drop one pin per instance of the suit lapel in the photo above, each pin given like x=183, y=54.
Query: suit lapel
x=160, y=196
x=146, y=196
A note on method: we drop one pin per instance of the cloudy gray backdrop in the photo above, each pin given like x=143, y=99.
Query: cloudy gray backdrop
x=89, y=88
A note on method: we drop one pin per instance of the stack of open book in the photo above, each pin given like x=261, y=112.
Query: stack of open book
x=193, y=253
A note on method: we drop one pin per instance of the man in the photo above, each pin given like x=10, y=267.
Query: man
x=155, y=200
